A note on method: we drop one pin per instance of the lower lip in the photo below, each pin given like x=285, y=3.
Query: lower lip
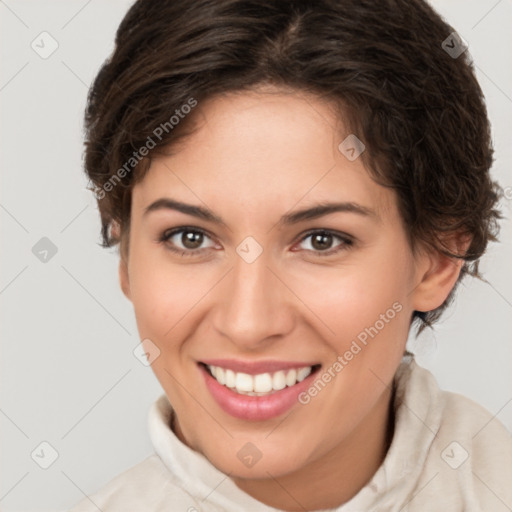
x=255, y=408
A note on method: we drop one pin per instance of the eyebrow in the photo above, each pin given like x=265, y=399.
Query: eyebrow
x=310, y=213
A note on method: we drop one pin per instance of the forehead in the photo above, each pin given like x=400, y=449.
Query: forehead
x=261, y=150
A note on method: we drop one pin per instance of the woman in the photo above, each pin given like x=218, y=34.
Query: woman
x=293, y=186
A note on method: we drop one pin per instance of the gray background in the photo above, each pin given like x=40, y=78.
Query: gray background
x=68, y=374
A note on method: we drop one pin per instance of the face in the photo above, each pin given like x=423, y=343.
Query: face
x=260, y=292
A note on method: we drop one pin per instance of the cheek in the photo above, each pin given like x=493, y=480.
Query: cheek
x=352, y=297
x=164, y=293
x=349, y=307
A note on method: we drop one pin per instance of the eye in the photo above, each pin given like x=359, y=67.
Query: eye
x=187, y=241
x=322, y=240
x=189, y=238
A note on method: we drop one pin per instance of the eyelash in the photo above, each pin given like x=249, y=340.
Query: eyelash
x=347, y=241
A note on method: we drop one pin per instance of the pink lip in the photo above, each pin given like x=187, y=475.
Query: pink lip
x=255, y=408
x=253, y=368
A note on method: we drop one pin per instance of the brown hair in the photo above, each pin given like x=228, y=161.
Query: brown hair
x=417, y=107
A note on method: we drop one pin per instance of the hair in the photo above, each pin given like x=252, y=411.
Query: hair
x=419, y=110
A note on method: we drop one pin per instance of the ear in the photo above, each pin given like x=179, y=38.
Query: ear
x=437, y=275
x=124, y=278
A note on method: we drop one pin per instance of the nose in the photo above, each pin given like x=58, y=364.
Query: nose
x=254, y=306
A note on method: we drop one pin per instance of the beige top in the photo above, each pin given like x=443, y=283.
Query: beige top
x=448, y=453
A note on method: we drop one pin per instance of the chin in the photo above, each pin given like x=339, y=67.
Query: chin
x=255, y=460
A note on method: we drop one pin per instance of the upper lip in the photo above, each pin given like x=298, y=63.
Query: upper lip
x=256, y=367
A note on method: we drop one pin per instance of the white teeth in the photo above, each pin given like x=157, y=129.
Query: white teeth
x=220, y=375
x=261, y=384
x=279, y=380
x=230, y=378
x=301, y=374
x=291, y=377
x=244, y=382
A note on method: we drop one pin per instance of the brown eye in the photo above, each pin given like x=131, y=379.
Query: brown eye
x=191, y=239
x=322, y=242
x=186, y=241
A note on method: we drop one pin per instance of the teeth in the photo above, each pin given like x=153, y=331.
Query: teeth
x=220, y=375
x=244, y=382
x=301, y=374
x=279, y=380
x=230, y=378
x=261, y=384
x=291, y=377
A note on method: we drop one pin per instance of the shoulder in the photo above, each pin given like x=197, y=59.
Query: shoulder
x=451, y=414
x=485, y=438
x=145, y=485
x=451, y=448
x=473, y=449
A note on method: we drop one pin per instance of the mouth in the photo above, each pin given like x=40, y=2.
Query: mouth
x=260, y=384
x=254, y=396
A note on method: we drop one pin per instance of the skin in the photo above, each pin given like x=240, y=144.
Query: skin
x=254, y=157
